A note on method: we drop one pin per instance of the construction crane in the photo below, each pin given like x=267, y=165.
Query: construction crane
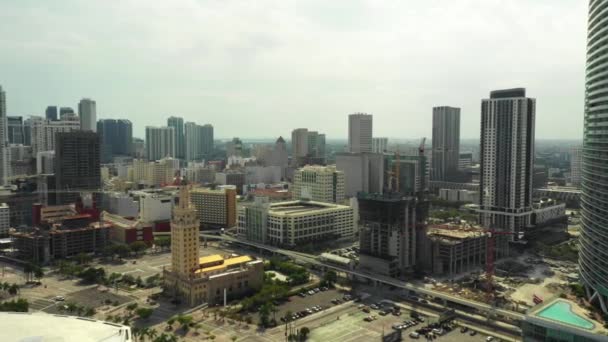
x=490, y=254
x=421, y=147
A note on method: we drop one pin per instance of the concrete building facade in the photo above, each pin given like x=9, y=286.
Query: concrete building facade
x=44, y=132
x=216, y=208
x=180, y=142
x=446, y=143
x=362, y=172
x=319, y=183
x=507, y=159
x=87, y=110
x=295, y=223
x=379, y=145
x=160, y=143
x=360, y=133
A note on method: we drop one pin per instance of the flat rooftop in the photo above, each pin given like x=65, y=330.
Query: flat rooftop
x=295, y=207
x=17, y=326
x=217, y=262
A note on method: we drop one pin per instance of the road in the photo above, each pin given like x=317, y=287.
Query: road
x=311, y=259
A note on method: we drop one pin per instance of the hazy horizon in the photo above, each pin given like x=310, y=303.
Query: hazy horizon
x=264, y=68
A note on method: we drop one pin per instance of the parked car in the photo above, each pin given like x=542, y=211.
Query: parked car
x=374, y=306
x=414, y=335
x=473, y=333
x=464, y=330
x=59, y=298
x=489, y=339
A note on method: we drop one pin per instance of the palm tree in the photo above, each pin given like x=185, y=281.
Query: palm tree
x=135, y=332
x=152, y=334
x=143, y=332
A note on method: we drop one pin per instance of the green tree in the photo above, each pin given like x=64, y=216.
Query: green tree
x=122, y=250
x=38, y=273
x=19, y=305
x=184, y=321
x=304, y=331
x=265, y=315
x=329, y=278
x=137, y=247
x=170, y=322
x=83, y=258
x=162, y=242
x=152, y=333
x=144, y=313
x=13, y=289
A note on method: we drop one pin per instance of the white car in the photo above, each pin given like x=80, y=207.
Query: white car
x=489, y=339
x=59, y=298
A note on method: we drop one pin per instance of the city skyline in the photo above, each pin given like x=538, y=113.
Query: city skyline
x=255, y=71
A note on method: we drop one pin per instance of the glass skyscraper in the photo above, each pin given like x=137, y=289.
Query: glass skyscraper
x=593, y=255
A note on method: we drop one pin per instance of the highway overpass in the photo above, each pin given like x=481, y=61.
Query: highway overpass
x=311, y=259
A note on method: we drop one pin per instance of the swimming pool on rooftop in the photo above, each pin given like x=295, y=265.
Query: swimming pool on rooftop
x=561, y=312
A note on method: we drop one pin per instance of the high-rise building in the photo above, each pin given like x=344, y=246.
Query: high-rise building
x=45, y=162
x=208, y=142
x=5, y=219
x=216, y=208
x=180, y=142
x=318, y=183
x=77, y=164
x=279, y=156
x=20, y=160
x=15, y=129
x=199, y=141
x=116, y=138
x=593, y=251
x=308, y=147
x=160, y=142
x=507, y=159
x=51, y=113
x=66, y=111
x=379, y=145
x=446, y=143
x=362, y=172
x=576, y=164
x=360, y=132
x=387, y=233
x=44, y=132
x=87, y=109
x=3, y=138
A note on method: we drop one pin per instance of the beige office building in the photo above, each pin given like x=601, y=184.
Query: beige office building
x=318, y=183
x=216, y=208
x=295, y=222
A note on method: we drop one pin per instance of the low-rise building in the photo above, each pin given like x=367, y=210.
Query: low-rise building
x=231, y=177
x=127, y=231
x=456, y=248
x=216, y=208
x=547, y=211
x=295, y=222
x=459, y=195
x=318, y=183
x=60, y=241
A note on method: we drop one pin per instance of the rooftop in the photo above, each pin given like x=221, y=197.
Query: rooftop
x=45, y=327
x=296, y=207
x=217, y=262
x=453, y=231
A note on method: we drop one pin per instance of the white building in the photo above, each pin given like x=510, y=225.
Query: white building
x=195, y=137
x=87, y=109
x=507, y=159
x=362, y=172
x=121, y=204
x=319, y=183
x=360, y=132
x=160, y=142
x=44, y=132
x=154, y=207
x=45, y=162
x=5, y=219
x=154, y=173
x=379, y=145
x=295, y=223
x=299, y=142
x=576, y=164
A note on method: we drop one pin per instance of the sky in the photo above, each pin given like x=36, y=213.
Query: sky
x=262, y=68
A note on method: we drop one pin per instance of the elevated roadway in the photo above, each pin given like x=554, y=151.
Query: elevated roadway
x=311, y=259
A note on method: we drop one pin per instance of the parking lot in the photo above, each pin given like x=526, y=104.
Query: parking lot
x=90, y=298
